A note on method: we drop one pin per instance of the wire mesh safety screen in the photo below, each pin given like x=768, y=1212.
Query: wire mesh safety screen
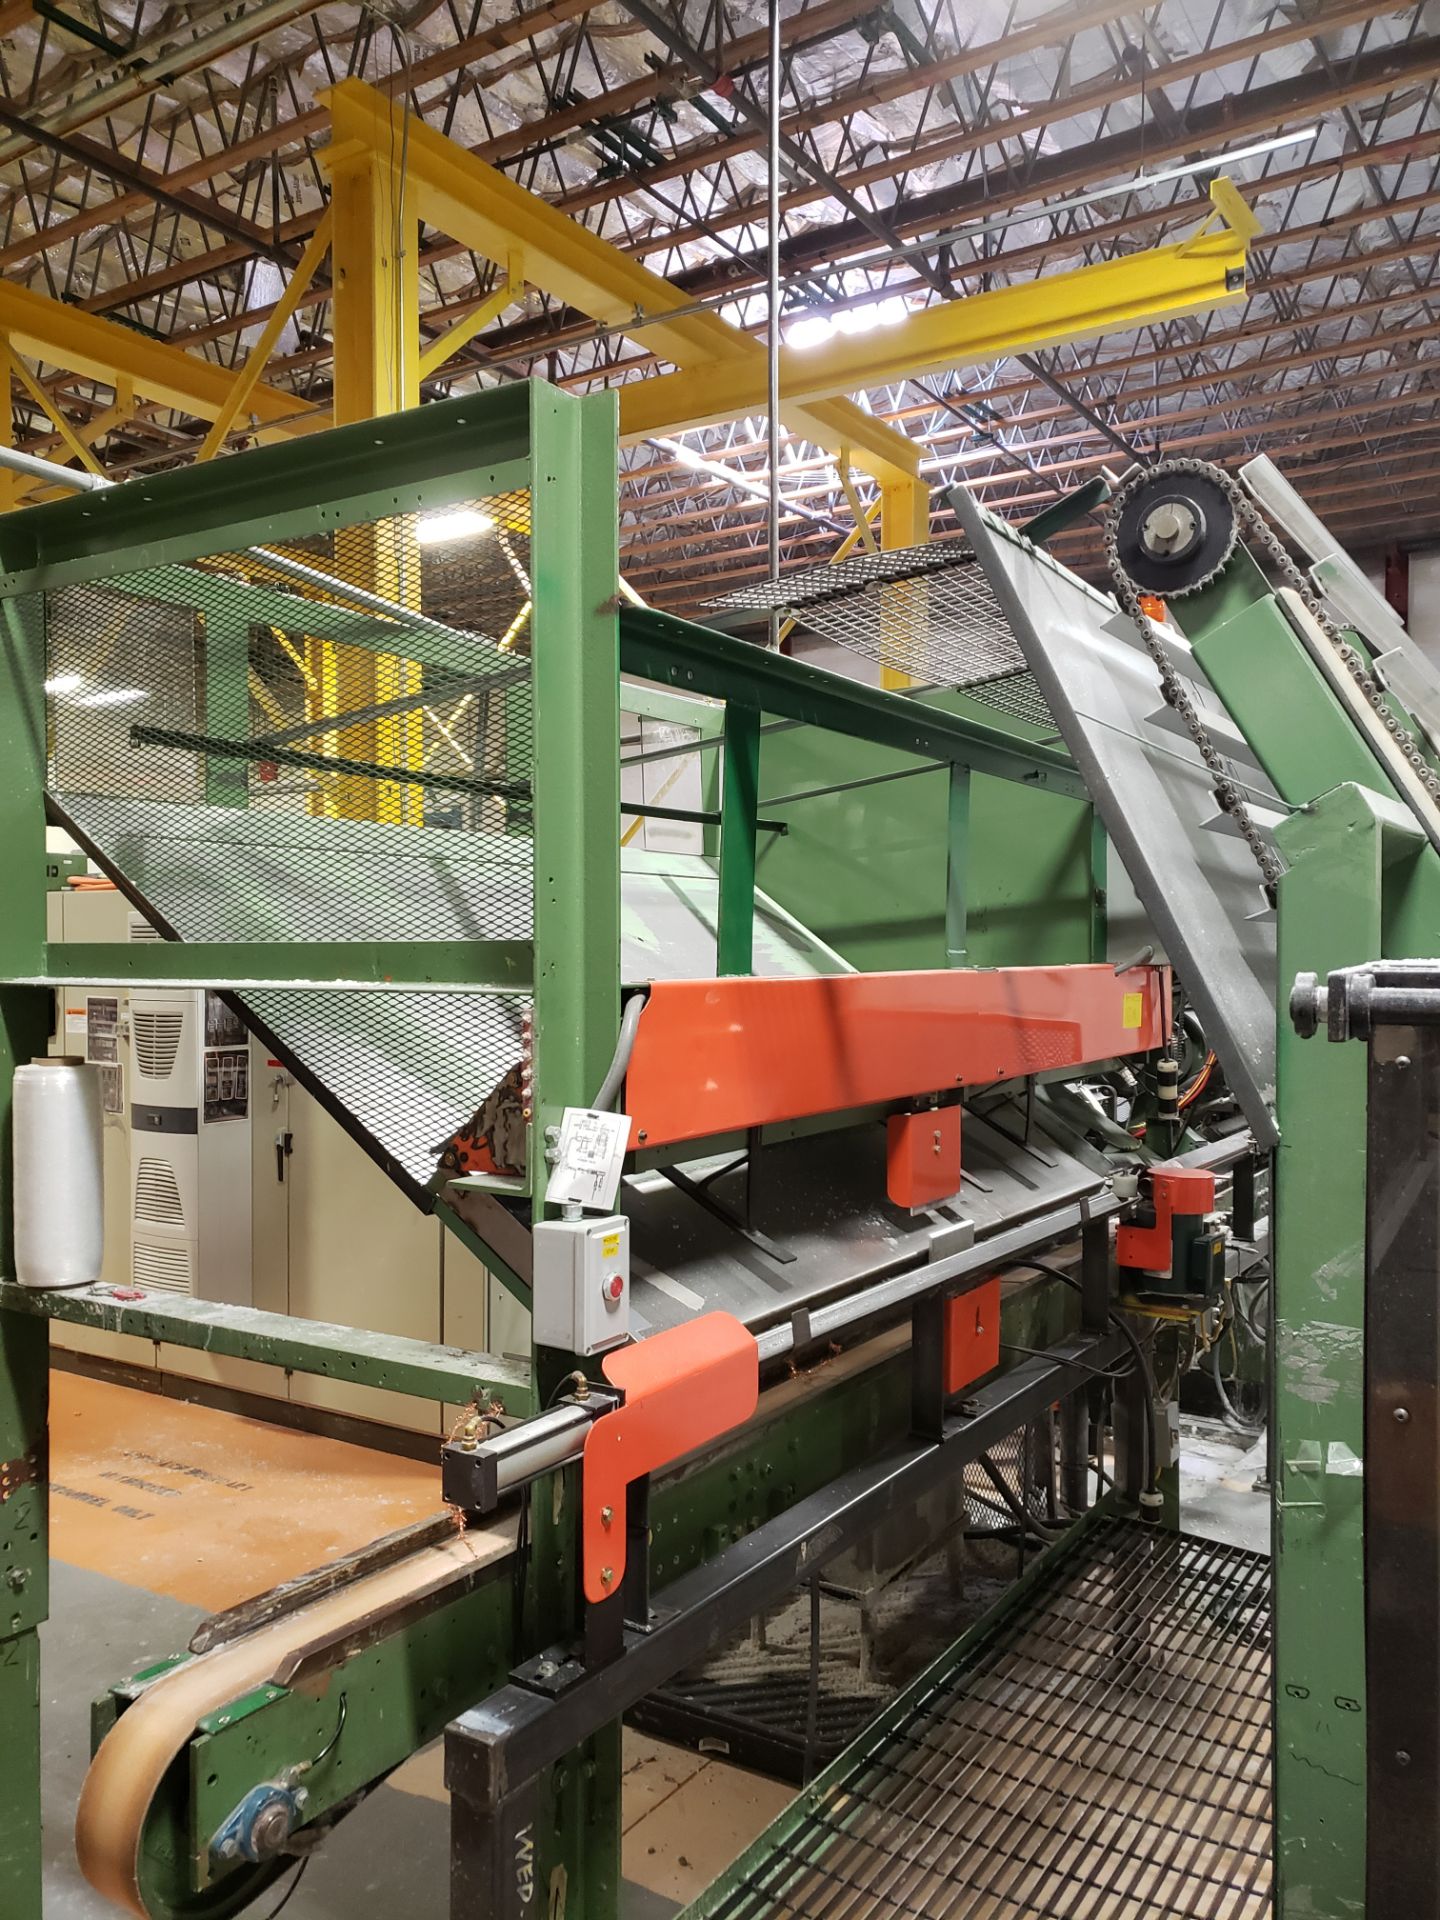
x=331, y=738
x=928, y=612
x=1104, y=1752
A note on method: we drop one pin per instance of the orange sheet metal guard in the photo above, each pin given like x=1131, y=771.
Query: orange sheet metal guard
x=682, y=1388
x=717, y=1056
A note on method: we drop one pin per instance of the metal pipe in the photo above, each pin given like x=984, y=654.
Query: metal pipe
x=34, y=468
x=772, y=348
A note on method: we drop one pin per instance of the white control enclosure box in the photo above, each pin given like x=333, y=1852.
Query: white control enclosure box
x=581, y=1283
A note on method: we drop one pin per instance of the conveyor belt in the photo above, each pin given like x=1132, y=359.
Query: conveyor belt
x=1102, y=1753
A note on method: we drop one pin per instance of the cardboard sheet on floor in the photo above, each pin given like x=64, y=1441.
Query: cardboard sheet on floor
x=210, y=1508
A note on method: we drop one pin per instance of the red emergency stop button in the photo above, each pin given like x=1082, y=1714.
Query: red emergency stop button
x=613, y=1287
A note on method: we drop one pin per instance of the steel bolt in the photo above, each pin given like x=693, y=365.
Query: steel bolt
x=1402, y=1059
x=1402, y=1414
x=607, y=1575
x=607, y=1515
x=17, y=1579
x=1402, y=1758
x=546, y=1670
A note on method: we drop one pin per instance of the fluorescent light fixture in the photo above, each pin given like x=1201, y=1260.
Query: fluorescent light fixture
x=459, y=523
x=114, y=697
x=809, y=331
x=813, y=328
x=64, y=682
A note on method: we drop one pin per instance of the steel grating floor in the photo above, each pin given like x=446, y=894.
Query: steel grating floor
x=1102, y=1753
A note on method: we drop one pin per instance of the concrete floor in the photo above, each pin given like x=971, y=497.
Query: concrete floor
x=1219, y=1495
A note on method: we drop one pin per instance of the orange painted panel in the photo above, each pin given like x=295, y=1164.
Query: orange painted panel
x=682, y=1387
x=716, y=1056
x=922, y=1157
x=972, y=1335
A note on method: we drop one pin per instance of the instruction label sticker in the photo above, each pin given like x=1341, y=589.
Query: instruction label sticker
x=591, y=1153
x=1132, y=1011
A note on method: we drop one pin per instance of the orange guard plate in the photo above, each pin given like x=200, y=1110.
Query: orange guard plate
x=682, y=1388
x=717, y=1056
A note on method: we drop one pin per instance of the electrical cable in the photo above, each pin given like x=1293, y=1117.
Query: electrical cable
x=1233, y=1417
x=1150, y=1432
x=1013, y=1502
x=285, y=1898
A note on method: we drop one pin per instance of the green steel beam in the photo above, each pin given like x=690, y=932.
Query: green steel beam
x=675, y=709
x=24, y=1343
x=739, y=799
x=659, y=646
x=429, y=457
x=576, y=1018
x=957, y=865
x=576, y=777
x=356, y=1354
x=488, y=965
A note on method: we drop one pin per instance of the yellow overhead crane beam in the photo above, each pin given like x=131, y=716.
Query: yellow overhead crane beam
x=1205, y=270
x=479, y=206
x=120, y=357
x=390, y=173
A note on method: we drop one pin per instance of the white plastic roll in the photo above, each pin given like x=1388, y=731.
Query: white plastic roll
x=58, y=1164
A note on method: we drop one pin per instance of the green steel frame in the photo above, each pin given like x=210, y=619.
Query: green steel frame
x=1362, y=881
x=564, y=451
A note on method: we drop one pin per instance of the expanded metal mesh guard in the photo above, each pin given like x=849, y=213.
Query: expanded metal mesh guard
x=377, y=676
x=928, y=612
x=411, y=1069
x=1105, y=1750
x=328, y=739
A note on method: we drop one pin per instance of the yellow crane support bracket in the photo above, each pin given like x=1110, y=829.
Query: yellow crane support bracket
x=1205, y=270
x=449, y=343
x=255, y=363
x=53, y=413
x=478, y=206
x=100, y=349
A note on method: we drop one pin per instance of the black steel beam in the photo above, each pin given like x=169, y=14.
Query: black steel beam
x=556, y=1703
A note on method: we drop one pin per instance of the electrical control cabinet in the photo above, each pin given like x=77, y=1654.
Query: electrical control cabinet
x=581, y=1283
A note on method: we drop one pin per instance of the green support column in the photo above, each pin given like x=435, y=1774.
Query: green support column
x=1361, y=883
x=576, y=773
x=24, y=1341
x=1329, y=916
x=24, y=1395
x=576, y=786
x=739, y=801
x=957, y=865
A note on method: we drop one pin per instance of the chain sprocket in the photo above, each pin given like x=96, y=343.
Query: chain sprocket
x=1258, y=534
